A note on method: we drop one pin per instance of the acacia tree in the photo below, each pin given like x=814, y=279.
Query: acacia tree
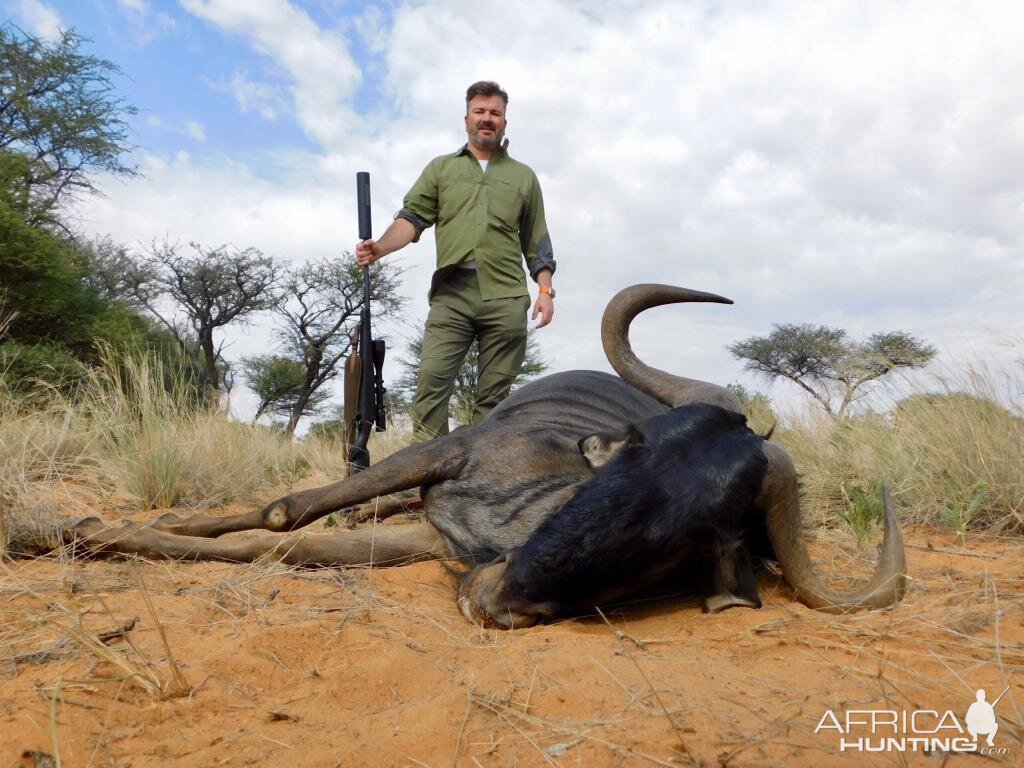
x=279, y=382
x=833, y=369
x=112, y=271
x=209, y=288
x=464, y=395
x=321, y=306
x=60, y=114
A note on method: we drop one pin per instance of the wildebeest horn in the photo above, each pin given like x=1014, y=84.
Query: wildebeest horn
x=780, y=501
x=668, y=388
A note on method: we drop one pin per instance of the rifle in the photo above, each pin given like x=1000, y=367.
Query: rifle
x=1000, y=697
x=364, y=381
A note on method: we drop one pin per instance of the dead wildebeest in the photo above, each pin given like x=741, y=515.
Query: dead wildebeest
x=579, y=488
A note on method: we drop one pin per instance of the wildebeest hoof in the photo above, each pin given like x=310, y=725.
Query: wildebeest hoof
x=168, y=522
x=86, y=526
x=719, y=603
x=275, y=517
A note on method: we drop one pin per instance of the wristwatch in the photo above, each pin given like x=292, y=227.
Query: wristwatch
x=549, y=291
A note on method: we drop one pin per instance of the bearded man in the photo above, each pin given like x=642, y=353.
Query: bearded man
x=489, y=215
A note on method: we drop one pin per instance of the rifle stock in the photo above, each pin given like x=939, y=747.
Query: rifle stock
x=352, y=375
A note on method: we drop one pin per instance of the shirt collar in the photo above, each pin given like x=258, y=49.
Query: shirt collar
x=501, y=151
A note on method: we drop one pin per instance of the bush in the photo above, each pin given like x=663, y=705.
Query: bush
x=35, y=368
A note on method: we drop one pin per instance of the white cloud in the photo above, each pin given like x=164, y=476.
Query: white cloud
x=195, y=129
x=37, y=18
x=267, y=100
x=317, y=61
x=142, y=23
x=842, y=163
x=191, y=128
x=372, y=28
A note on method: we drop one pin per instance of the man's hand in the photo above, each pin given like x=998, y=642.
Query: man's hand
x=545, y=307
x=398, y=235
x=367, y=252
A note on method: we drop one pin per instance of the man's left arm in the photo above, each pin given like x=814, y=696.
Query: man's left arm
x=540, y=258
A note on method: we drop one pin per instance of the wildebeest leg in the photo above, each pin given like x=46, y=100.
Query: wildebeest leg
x=733, y=581
x=374, y=545
x=383, y=507
x=411, y=467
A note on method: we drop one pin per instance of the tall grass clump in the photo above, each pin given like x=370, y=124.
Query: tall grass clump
x=39, y=445
x=134, y=431
x=951, y=454
x=326, y=451
x=163, y=444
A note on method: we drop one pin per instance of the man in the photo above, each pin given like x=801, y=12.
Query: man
x=489, y=215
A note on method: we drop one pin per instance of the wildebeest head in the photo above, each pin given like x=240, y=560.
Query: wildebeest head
x=674, y=493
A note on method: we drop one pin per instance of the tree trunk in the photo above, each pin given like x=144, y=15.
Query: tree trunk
x=312, y=369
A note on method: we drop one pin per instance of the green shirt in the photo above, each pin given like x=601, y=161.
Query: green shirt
x=494, y=218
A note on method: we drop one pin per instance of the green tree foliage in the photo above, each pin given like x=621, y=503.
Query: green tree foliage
x=55, y=313
x=61, y=299
x=833, y=369
x=113, y=272
x=757, y=407
x=464, y=397
x=207, y=289
x=280, y=383
x=28, y=368
x=60, y=113
x=42, y=287
x=50, y=297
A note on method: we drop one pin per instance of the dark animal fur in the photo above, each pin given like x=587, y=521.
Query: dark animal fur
x=678, y=494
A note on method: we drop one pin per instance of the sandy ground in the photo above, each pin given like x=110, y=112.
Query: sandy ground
x=263, y=666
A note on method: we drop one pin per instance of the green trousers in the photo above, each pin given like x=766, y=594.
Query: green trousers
x=458, y=316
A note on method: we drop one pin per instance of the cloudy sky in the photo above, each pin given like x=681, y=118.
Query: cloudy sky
x=856, y=163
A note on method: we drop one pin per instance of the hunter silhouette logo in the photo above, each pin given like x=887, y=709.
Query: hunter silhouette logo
x=918, y=730
x=981, y=717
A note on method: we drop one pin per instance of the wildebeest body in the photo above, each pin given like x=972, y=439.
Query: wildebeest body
x=523, y=462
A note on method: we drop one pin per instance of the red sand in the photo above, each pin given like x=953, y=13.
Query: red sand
x=378, y=668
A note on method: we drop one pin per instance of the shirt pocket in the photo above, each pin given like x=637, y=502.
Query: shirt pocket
x=457, y=196
x=505, y=204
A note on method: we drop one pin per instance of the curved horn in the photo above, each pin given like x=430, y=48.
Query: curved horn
x=780, y=500
x=670, y=389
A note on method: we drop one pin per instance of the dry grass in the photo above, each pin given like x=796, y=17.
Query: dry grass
x=952, y=455
x=58, y=622
x=135, y=437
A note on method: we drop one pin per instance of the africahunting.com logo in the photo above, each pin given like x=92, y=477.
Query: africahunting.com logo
x=919, y=730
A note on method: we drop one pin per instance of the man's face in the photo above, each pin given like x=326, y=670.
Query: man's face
x=485, y=121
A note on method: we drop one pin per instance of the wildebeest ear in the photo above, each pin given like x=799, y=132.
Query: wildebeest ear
x=598, y=449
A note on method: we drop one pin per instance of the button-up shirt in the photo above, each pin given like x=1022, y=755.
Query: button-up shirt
x=493, y=217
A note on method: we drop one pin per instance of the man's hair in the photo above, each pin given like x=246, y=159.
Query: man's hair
x=485, y=88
